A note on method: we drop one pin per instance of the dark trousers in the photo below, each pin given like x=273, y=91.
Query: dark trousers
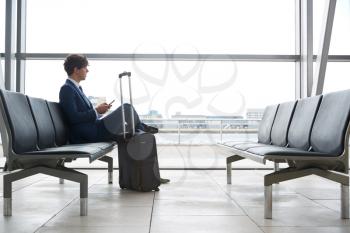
x=112, y=124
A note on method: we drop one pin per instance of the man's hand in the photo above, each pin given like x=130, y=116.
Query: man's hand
x=103, y=108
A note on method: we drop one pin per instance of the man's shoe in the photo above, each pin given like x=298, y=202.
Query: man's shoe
x=164, y=181
x=149, y=129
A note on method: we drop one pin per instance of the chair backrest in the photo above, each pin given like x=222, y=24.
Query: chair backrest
x=59, y=123
x=303, y=118
x=43, y=122
x=331, y=122
x=279, y=131
x=21, y=123
x=264, y=134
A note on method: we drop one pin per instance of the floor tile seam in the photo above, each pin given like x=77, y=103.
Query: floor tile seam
x=134, y=206
x=331, y=199
x=191, y=200
x=226, y=193
x=261, y=228
x=217, y=157
x=97, y=180
x=185, y=168
x=312, y=200
x=100, y=180
x=64, y=207
x=320, y=204
x=344, y=226
x=92, y=227
x=324, y=206
x=278, y=207
x=201, y=215
x=26, y=186
x=151, y=218
x=181, y=155
x=56, y=214
x=193, y=167
x=240, y=207
x=281, y=208
x=307, y=226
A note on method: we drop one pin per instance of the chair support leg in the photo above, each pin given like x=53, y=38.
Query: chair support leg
x=110, y=177
x=344, y=199
x=108, y=160
x=229, y=172
x=62, y=172
x=268, y=202
x=83, y=206
x=7, y=206
x=7, y=196
x=229, y=161
x=276, y=168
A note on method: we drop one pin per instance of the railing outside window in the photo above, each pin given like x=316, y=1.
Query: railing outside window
x=204, y=131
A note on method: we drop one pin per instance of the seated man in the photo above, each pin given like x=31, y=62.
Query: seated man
x=86, y=123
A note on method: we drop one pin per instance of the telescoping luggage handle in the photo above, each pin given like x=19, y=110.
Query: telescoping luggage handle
x=121, y=75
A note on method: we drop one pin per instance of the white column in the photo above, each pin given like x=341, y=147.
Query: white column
x=10, y=44
x=21, y=44
x=322, y=56
x=304, y=47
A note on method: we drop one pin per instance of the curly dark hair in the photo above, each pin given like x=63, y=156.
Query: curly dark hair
x=74, y=61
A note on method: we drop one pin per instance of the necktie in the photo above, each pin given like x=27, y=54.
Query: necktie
x=84, y=96
x=81, y=89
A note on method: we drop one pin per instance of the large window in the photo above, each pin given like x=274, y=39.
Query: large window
x=158, y=26
x=180, y=90
x=337, y=73
x=337, y=77
x=212, y=88
x=341, y=27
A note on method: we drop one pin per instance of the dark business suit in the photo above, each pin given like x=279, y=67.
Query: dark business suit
x=85, y=124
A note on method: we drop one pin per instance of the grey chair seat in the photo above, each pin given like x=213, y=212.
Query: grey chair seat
x=66, y=150
x=234, y=143
x=101, y=145
x=92, y=151
x=246, y=146
x=285, y=151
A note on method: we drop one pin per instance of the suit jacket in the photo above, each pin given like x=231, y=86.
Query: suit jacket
x=82, y=118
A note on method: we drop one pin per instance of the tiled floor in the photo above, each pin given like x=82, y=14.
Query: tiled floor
x=195, y=201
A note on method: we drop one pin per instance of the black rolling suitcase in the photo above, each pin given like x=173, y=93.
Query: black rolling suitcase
x=137, y=155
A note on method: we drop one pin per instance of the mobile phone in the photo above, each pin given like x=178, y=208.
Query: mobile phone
x=111, y=102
